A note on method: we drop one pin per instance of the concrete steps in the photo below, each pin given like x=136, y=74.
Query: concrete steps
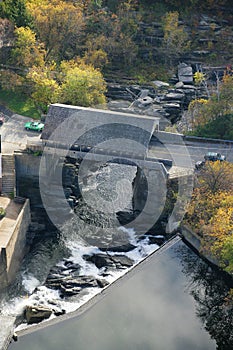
x=8, y=174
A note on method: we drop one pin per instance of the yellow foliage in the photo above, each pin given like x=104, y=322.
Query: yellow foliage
x=210, y=213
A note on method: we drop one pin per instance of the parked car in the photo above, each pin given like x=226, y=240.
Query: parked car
x=34, y=126
x=2, y=119
x=211, y=157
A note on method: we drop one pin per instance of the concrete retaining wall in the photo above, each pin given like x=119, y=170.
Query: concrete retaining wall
x=27, y=164
x=14, y=247
x=195, y=241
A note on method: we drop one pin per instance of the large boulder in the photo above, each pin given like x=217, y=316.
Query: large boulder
x=36, y=314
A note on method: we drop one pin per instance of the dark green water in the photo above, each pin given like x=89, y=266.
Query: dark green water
x=172, y=301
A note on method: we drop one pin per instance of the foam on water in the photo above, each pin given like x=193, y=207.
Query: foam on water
x=35, y=293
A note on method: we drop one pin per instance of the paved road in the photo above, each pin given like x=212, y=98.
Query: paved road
x=15, y=137
x=187, y=154
x=13, y=134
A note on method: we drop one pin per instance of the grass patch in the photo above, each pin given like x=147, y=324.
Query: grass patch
x=19, y=104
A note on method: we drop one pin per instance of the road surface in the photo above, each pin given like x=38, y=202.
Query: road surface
x=14, y=136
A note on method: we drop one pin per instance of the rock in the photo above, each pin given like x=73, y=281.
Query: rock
x=100, y=260
x=179, y=85
x=102, y=283
x=69, y=291
x=122, y=249
x=36, y=314
x=159, y=240
x=71, y=265
x=15, y=336
x=185, y=73
x=113, y=261
x=143, y=102
x=174, y=96
x=59, y=312
x=122, y=261
x=159, y=83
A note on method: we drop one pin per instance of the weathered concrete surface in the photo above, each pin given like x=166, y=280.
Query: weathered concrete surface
x=195, y=241
x=13, y=229
x=6, y=331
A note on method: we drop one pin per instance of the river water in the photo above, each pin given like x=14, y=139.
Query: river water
x=52, y=248
x=164, y=303
x=171, y=303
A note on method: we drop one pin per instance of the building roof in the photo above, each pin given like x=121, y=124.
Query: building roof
x=70, y=125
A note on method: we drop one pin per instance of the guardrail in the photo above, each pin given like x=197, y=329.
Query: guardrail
x=206, y=139
x=169, y=137
x=176, y=138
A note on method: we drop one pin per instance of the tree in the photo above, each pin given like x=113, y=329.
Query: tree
x=27, y=52
x=205, y=113
x=59, y=25
x=218, y=128
x=15, y=11
x=81, y=85
x=216, y=176
x=11, y=81
x=210, y=213
x=175, y=40
x=45, y=89
x=114, y=33
x=227, y=253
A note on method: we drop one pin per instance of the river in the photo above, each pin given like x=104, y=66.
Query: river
x=159, y=305
x=164, y=303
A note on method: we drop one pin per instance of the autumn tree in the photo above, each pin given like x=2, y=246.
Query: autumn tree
x=81, y=84
x=44, y=87
x=59, y=25
x=27, y=51
x=216, y=176
x=175, y=39
x=114, y=33
x=207, y=114
x=210, y=213
x=11, y=81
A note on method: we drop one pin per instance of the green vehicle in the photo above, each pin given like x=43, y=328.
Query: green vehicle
x=34, y=126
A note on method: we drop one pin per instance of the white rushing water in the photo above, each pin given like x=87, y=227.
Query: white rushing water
x=31, y=288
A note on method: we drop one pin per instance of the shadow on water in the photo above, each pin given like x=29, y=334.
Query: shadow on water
x=210, y=289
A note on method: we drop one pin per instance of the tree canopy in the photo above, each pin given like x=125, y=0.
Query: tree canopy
x=210, y=213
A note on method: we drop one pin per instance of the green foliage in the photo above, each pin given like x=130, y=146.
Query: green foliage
x=15, y=11
x=175, y=40
x=45, y=88
x=27, y=51
x=210, y=212
x=2, y=212
x=218, y=128
x=81, y=85
x=19, y=103
x=227, y=254
x=213, y=117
